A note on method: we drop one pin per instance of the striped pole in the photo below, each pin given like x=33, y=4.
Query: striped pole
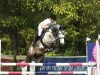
x=46, y=64
x=98, y=57
x=62, y=72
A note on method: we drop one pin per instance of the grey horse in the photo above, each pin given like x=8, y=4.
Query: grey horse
x=52, y=38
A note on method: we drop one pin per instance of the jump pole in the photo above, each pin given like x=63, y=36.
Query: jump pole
x=98, y=57
x=46, y=64
x=95, y=70
x=54, y=72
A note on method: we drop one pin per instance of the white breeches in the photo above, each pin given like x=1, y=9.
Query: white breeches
x=39, y=31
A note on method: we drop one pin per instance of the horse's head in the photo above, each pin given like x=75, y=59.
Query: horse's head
x=53, y=36
x=61, y=35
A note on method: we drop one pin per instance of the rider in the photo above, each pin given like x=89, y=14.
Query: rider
x=43, y=25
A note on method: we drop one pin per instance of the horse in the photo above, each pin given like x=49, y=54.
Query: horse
x=52, y=38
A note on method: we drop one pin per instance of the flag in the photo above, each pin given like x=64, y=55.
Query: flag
x=91, y=47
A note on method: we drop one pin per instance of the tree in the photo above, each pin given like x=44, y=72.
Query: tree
x=19, y=20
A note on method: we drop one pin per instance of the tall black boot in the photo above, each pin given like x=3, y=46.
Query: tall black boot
x=35, y=40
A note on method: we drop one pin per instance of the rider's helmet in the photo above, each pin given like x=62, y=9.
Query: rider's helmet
x=53, y=16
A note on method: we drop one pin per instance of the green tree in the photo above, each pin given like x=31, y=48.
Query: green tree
x=19, y=20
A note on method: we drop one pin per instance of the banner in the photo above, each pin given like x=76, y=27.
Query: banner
x=63, y=60
x=91, y=48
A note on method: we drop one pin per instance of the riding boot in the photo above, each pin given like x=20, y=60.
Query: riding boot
x=35, y=40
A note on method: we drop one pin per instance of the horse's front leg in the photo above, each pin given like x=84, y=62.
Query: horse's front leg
x=29, y=57
x=30, y=54
x=39, y=59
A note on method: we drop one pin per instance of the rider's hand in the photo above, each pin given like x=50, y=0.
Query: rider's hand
x=44, y=26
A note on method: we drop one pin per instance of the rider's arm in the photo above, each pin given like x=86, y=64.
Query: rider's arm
x=45, y=23
x=43, y=26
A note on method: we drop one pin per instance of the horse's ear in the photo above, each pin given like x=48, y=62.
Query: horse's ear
x=62, y=27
